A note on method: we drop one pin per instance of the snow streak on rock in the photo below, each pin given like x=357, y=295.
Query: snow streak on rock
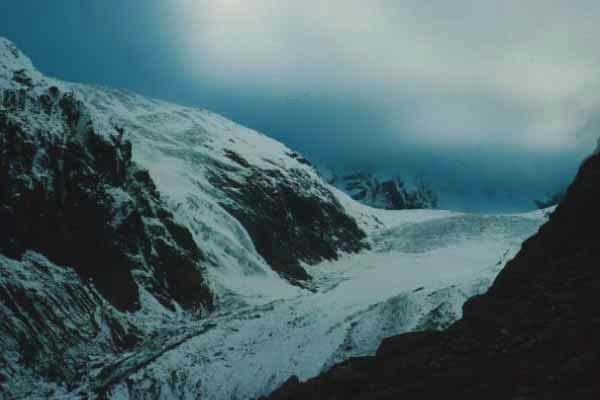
x=106, y=267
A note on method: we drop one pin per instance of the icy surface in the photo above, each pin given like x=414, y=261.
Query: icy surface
x=183, y=148
x=422, y=266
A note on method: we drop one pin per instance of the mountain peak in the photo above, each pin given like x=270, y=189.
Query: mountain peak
x=12, y=59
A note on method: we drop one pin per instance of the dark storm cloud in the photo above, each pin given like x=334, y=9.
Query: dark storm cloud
x=479, y=96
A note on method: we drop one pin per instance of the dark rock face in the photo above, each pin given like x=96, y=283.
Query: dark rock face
x=85, y=237
x=391, y=194
x=533, y=335
x=288, y=223
x=50, y=322
x=75, y=196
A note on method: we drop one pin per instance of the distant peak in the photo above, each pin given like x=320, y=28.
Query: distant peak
x=12, y=59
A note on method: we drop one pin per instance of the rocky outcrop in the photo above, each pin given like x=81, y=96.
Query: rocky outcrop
x=72, y=194
x=390, y=194
x=85, y=240
x=272, y=201
x=52, y=327
x=287, y=224
x=114, y=207
x=531, y=336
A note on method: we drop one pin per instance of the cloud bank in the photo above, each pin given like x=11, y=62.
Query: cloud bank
x=479, y=96
x=497, y=92
x=509, y=73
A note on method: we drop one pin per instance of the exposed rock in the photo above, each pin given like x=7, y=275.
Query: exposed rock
x=51, y=323
x=102, y=268
x=276, y=207
x=288, y=226
x=83, y=233
x=390, y=194
x=73, y=194
x=531, y=336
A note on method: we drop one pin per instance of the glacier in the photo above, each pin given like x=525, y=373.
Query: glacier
x=301, y=275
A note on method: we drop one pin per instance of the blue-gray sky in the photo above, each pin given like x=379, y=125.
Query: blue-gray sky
x=477, y=96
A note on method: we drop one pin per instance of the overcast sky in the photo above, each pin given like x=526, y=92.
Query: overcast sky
x=474, y=95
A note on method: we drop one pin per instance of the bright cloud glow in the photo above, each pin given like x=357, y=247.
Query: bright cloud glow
x=533, y=60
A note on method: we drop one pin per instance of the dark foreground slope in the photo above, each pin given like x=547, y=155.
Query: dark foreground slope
x=533, y=335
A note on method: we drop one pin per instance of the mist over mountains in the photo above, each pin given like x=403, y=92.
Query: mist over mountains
x=495, y=107
x=274, y=199
x=155, y=251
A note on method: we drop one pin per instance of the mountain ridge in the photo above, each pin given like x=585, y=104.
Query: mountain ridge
x=101, y=252
x=530, y=336
x=388, y=194
x=212, y=234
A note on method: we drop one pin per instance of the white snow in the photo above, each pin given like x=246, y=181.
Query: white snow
x=359, y=300
x=11, y=60
x=264, y=329
x=182, y=148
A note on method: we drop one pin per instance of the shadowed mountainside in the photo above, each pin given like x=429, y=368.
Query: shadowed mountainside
x=98, y=258
x=533, y=335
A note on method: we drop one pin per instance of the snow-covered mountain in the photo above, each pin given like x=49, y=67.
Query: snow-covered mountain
x=152, y=251
x=532, y=335
x=388, y=194
x=386, y=188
